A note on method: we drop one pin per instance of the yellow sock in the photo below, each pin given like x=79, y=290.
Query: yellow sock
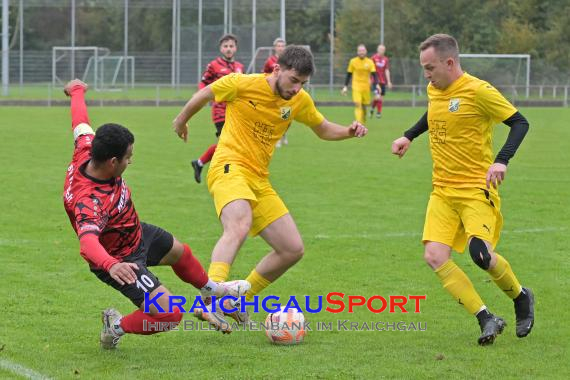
x=503, y=276
x=456, y=282
x=219, y=271
x=359, y=114
x=258, y=283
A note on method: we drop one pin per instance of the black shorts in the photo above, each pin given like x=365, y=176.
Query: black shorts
x=155, y=244
x=382, y=88
x=219, y=127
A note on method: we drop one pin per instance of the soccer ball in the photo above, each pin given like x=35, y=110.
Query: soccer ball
x=285, y=327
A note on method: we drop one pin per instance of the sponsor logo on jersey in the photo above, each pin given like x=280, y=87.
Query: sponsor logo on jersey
x=453, y=105
x=285, y=113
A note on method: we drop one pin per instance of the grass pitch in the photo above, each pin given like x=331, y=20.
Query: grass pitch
x=360, y=211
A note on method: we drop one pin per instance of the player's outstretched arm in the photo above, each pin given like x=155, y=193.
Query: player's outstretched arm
x=195, y=104
x=401, y=145
x=331, y=131
x=80, y=124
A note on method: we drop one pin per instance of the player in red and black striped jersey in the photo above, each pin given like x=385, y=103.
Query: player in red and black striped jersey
x=278, y=46
x=383, y=70
x=115, y=243
x=219, y=67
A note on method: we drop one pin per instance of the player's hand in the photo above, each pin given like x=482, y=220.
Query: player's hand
x=400, y=146
x=181, y=129
x=357, y=130
x=390, y=85
x=74, y=83
x=344, y=91
x=496, y=175
x=124, y=273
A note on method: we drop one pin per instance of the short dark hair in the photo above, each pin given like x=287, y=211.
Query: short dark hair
x=443, y=44
x=228, y=37
x=297, y=58
x=111, y=140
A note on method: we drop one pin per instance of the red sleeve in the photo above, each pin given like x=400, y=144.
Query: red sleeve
x=208, y=77
x=94, y=253
x=267, y=68
x=78, y=107
x=82, y=151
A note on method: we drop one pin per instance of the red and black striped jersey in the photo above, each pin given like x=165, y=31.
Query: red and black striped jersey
x=215, y=70
x=270, y=64
x=102, y=208
x=382, y=64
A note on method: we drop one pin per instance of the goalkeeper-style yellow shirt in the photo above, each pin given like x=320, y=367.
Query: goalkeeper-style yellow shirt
x=361, y=68
x=461, y=120
x=256, y=119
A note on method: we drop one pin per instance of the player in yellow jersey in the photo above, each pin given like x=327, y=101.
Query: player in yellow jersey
x=360, y=68
x=260, y=108
x=464, y=208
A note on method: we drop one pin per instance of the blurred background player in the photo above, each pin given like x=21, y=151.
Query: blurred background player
x=117, y=246
x=260, y=109
x=464, y=208
x=360, y=69
x=383, y=71
x=219, y=67
x=278, y=47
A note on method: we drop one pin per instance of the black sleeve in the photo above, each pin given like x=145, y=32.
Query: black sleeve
x=519, y=128
x=420, y=127
x=375, y=77
x=347, y=80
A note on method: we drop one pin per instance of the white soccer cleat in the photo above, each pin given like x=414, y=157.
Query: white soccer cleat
x=109, y=338
x=216, y=318
x=237, y=289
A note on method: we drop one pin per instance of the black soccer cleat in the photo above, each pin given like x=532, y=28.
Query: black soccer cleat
x=524, y=311
x=197, y=171
x=491, y=326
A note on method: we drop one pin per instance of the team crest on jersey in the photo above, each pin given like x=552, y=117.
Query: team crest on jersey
x=285, y=113
x=453, y=105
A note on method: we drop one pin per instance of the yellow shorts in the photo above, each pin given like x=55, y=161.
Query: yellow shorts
x=235, y=182
x=361, y=97
x=456, y=214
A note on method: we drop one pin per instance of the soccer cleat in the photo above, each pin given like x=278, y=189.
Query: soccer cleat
x=236, y=289
x=216, y=318
x=284, y=140
x=109, y=338
x=197, y=171
x=524, y=311
x=198, y=312
x=490, y=328
x=238, y=315
x=371, y=113
x=278, y=145
x=378, y=115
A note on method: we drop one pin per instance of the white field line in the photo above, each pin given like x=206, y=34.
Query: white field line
x=388, y=235
x=21, y=370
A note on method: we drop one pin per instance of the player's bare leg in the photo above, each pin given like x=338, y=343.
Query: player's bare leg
x=284, y=237
x=455, y=281
x=236, y=218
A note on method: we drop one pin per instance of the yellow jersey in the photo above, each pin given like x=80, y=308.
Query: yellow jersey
x=361, y=68
x=461, y=120
x=256, y=118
